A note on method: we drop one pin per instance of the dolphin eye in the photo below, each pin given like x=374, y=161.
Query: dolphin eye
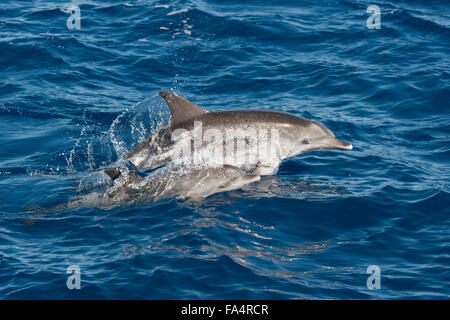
x=305, y=141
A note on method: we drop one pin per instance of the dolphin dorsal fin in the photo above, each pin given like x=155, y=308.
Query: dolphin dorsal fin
x=180, y=108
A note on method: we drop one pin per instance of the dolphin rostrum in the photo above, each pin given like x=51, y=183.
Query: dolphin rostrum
x=294, y=136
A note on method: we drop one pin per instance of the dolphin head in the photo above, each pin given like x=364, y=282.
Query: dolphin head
x=314, y=136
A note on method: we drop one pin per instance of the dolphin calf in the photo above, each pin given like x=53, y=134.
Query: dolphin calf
x=294, y=136
x=131, y=186
x=173, y=181
x=128, y=186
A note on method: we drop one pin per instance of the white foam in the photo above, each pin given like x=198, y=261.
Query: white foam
x=177, y=12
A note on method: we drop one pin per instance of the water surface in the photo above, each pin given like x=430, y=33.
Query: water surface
x=74, y=101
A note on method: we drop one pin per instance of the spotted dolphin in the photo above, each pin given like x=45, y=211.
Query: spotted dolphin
x=295, y=135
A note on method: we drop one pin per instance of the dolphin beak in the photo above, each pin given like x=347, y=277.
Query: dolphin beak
x=339, y=144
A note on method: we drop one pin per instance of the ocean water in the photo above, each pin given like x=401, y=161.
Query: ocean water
x=73, y=100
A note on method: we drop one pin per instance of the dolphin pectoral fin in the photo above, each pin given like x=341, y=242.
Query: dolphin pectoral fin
x=180, y=108
x=113, y=173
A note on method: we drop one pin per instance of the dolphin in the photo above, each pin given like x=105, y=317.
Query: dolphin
x=129, y=186
x=295, y=135
x=194, y=185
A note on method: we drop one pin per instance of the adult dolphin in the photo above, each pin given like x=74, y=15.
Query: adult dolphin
x=295, y=135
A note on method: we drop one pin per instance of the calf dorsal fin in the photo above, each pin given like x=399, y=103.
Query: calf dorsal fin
x=113, y=173
x=181, y=109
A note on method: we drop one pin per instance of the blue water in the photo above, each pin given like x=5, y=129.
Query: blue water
x=73, y=101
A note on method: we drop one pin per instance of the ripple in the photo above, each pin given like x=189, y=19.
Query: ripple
x=73, y=101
